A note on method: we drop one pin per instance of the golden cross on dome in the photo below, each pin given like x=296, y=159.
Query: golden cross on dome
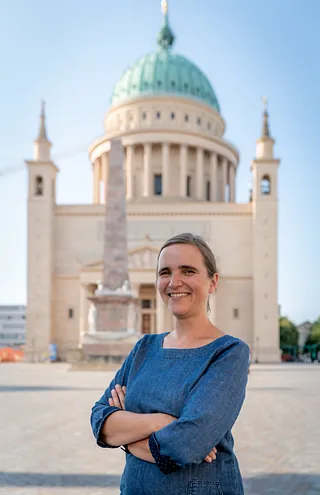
x=165, y=7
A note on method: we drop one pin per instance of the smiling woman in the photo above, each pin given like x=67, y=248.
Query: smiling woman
x=177, y=396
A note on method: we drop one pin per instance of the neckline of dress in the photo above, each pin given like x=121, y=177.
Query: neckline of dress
x=179, y=350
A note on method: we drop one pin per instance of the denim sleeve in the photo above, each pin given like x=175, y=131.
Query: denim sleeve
x=101, y=410
x=210, y=411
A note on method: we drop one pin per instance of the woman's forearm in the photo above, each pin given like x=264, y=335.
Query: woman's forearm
x=123, y=427
x=141, y=450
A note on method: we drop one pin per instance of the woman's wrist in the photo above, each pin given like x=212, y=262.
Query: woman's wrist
x=161, y=421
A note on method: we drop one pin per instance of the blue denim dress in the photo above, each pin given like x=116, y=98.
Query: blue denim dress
x=205, y=389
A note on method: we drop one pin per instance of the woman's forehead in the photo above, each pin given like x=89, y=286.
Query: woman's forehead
x=180, y=254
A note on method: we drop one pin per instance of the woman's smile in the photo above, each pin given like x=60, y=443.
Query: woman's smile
x=178, y=295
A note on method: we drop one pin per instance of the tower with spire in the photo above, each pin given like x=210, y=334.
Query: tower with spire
x=42, y=174
x=264, y=246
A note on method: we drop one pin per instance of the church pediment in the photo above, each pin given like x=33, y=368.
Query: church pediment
x=141, y=258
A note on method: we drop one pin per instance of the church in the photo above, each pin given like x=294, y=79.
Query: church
x=180, y=177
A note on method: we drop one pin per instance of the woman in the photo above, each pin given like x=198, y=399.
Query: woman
x=182, y=391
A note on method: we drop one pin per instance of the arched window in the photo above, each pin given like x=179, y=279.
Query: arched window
x=39, y=186
x=265, y=185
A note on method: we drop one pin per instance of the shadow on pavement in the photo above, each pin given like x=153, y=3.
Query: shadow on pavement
x=19, y=479
x=283, y=484
x=39, y=388
x=276, y=484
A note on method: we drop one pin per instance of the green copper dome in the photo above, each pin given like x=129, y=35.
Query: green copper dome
x=164, y=73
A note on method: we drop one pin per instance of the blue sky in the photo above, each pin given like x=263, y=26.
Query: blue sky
x=72, y=52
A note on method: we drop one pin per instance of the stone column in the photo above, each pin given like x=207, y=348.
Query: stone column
x=129, y=171
x=147, y=170
x=183, y=170
x=232, y=180
x=224, y=178
x=114, y=300
x=96, y=181
x=199, y=174
x=161, y=323
x=105, y=167
x=165, y=169
x=214, y=176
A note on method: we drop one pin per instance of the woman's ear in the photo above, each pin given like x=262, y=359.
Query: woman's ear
x=214, y=283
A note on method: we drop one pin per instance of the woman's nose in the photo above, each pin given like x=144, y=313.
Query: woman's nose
x=175, y=280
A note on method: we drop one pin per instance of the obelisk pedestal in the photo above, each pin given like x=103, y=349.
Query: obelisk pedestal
x=115, y=306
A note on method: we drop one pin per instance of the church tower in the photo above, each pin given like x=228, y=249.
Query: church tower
x=265, y=257
x=41, y=203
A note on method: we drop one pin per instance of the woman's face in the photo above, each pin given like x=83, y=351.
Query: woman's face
x=183, y=280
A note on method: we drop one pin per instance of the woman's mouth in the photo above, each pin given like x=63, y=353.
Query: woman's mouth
x=178, y=295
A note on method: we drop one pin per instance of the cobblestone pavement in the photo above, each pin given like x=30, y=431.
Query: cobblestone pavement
x=47, y=447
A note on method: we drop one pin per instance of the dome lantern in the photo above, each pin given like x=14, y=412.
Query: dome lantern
x=166, y=36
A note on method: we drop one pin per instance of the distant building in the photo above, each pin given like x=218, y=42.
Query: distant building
x=304, y=330
x=12, y=326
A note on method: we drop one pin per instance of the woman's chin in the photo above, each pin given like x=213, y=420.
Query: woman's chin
x=179, y=312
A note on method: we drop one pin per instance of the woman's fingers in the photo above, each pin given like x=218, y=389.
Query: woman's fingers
x=211, y=456
x=118, y=396
x=115, y=398
x=121, y=396
x=111, y=403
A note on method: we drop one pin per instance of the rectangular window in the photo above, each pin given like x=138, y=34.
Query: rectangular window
x=235, y=313
x=189, y=186
x=70, y=313
x=146, y=303
x=157, y=186
x=208, y=192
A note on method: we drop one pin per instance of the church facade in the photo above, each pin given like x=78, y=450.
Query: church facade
x=180, y=177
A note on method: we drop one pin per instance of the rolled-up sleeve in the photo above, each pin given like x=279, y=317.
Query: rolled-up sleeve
x=210, y=411
x=101, y=409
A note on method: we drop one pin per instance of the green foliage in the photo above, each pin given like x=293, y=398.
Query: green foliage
x=288, y=332
x=314, y=337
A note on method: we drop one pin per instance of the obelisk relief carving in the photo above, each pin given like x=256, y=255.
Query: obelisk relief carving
x=114, y=331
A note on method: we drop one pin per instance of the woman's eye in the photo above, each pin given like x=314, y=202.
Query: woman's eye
x=189, y=271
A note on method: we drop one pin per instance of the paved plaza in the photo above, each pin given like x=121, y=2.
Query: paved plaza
x=47, y=446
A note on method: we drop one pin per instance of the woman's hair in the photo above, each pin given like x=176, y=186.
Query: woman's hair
x=198, y=241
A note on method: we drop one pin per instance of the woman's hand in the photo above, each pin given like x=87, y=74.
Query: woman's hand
x=118, y=397
x=118, y=400
x=211, y=456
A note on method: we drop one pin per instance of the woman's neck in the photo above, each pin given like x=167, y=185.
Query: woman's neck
x=195, y=328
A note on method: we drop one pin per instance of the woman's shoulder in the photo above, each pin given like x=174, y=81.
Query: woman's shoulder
x=150, y=339
x=234, y=345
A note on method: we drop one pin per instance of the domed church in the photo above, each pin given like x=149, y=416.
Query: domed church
x=180, y=177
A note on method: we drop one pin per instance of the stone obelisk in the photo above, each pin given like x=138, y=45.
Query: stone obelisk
x=115, y=312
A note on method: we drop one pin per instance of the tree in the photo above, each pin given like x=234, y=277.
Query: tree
x=288, y=332
x=314, y=336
